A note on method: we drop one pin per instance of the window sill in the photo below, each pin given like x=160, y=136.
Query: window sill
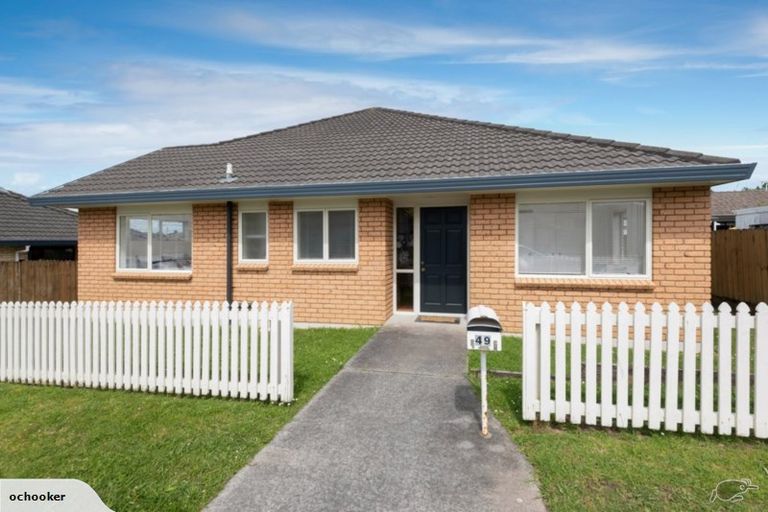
x=152, y=276
x=324, y=267
x=543, y=283
x=252, y=267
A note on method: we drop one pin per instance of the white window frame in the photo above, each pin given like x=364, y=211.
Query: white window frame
x=149, y=212
x=588, y=199
x=241, y=234
x=325, y=258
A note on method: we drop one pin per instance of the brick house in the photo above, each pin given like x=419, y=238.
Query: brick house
x=35, y=232
x=380, y=212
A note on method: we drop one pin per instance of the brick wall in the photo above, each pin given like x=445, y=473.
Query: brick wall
x=681, y=258
x=332, y=293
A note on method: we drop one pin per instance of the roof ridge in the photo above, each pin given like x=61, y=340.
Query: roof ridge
x=275, y=130
x=632, y=146
x=25, y=199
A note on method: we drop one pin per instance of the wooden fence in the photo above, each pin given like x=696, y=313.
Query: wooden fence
x=644, y=369
x=740, y=265
x=236, y=350
x=43, y=280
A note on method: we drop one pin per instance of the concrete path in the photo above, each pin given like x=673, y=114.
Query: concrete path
x=396, y=429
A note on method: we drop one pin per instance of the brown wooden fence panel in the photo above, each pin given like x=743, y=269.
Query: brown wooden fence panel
x=42, y=280
x=740, y=265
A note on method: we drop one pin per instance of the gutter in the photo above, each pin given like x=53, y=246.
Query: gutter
x=719, y=173
x=229, y=252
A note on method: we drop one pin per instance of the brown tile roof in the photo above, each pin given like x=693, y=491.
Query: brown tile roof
x=376, y=145
x=21, y=222
x=724, y=204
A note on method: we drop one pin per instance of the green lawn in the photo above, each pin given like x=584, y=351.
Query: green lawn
x=586, y=468
x=145, y=451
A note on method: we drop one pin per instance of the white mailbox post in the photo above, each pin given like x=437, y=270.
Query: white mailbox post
x=483, y=334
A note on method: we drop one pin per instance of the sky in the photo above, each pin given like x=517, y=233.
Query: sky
x=89, y=84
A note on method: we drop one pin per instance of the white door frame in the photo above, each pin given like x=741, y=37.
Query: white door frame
x=417, y=205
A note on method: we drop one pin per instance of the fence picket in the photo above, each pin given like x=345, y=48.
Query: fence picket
x=761, y=371
x=161, y=348
x=64, y=344
x=690, y=324
x=36, y=343
x=672, y=376
x=215, y=336
x=639, y=410
x=125, y=357
x=4, y=342
x=606, y=365
x=654, y=364
x=545, y=367
x=560, y=375
x=623, y=412
x=264, y=352
x=152, y=319
x=577, y=405
x=244, y=332
x=592, y=408
x=72, y=344
x=206, y=350
x=743, y=327
x=706, y=380
x=274, y=352
x=196, y=349
x=253, y=382
x=239, y=350
x=724, y=412
x=23, y=342
x=103, y=345
x=178, y=331
x=224, y=355
x=234, y=351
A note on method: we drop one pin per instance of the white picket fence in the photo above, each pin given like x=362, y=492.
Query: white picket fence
x=240, y=350
x=624, y=367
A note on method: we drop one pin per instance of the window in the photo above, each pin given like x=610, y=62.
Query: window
x=552, y=238
x=155, y=242
x=326, y=235
x=404, y=256
x=253, y=236
x=618, y=238
x=587, y=238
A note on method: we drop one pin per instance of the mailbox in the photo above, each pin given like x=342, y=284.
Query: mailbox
x=483, y=329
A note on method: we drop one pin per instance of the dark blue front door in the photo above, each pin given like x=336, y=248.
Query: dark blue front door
x=444, y=260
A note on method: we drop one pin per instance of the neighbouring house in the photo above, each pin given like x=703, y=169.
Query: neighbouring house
x=726, y=204
x=35, y=232
x=380, y=212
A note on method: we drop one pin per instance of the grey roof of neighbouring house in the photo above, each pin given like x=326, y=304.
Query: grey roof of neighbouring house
x=21, y=223
x=377, y=146
x=725, y=204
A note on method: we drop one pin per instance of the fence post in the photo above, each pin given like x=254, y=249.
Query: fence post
x=530, y=360
x=286, y=352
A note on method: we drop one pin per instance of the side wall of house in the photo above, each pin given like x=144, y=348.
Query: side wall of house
x=8, y=253
x=681, y=258
x=328, y=293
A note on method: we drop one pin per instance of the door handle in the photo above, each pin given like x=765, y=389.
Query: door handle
x=423, y=268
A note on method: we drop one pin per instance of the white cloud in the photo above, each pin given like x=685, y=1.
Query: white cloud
x=344, y=35
x=170, y=102
x=582, y=52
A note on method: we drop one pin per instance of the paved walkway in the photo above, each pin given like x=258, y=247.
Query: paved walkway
x=396, y=429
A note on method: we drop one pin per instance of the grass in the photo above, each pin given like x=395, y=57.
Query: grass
x=143, y=451
x=586, y=468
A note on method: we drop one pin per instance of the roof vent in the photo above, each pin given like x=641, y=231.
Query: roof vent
x=229, y=174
